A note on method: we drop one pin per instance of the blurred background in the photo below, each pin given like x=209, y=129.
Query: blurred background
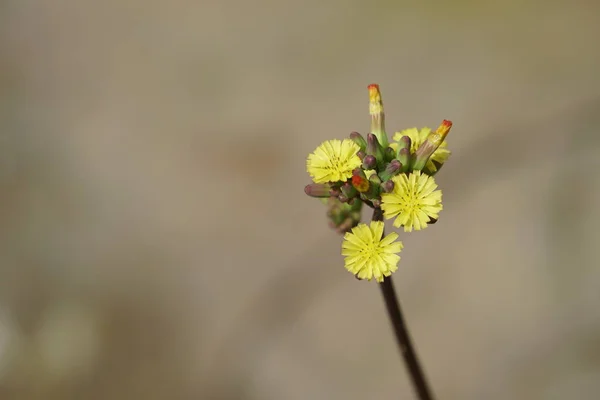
x=156, y=243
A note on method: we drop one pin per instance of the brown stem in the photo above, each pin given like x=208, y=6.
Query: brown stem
x=405, y=345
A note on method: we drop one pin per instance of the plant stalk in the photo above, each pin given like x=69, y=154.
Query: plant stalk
x=405, y=345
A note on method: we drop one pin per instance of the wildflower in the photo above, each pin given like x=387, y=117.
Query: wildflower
x=368, y=254
x=417, y=137
x=414, y=201
x=333, y=161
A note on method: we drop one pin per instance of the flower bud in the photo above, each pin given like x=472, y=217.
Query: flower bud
x=404, y=143
x=375, y=179
x=389, y=154
x=391, y=170
x=442, y=131
x=375, y=149
x=318, y=190
x=404, y=158
x=388, y=186
x=359, y=140
x=359, y=180
x=371, y=185
x=430, y=145
x=369, y=162
x=377, y=115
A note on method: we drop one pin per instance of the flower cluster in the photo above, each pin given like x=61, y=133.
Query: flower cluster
x=395, y=179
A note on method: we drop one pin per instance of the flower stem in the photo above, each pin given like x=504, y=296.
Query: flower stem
x=405, y=345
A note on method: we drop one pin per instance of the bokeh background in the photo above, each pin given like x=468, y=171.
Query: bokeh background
x=156, y=243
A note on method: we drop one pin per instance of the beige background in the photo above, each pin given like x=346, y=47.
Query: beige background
x=155, y=241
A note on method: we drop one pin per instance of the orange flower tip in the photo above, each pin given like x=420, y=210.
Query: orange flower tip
x=360, y=184
x=374, y=95
x=444, y=128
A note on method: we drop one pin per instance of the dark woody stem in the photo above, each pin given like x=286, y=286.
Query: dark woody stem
x=405, y=345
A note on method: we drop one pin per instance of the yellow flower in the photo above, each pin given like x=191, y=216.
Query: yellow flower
x=369, y=254
x=414, y=201
x=417, y=137
x=333, y=161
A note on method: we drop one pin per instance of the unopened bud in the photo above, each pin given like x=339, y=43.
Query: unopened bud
x=360, y=184
x=318, y=190
x=369, y=162
x=404, y=143
x=377, y=114
x=391, y=170
x=389, y=154
x=375, y=179
x=375, y=149
x=361, y=154
x=374, y=188
x=443, y=129
x=404, y=158
x=359, y=140
x=430, y=145
x=388, y=186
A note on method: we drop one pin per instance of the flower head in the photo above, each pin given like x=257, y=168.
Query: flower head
x=414, y=201
x=417, y=137
x=369, y=254
x=333, y=161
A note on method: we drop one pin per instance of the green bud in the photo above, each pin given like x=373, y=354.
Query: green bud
x=375, y=149
x=359, y=140
x=369, y=162
x=422, y=155
x=404, y=158
x=392, y=169
x=375, y=179
x=388, y=186
x=389, y=154
x=318, y=190
x=404, y=143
